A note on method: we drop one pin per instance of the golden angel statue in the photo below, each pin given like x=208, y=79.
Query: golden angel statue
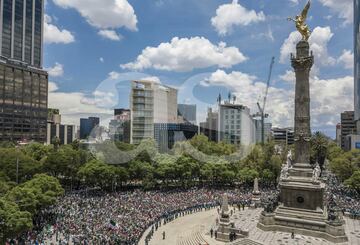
x=301, y=26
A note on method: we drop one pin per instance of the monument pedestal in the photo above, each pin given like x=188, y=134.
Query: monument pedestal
x=226, y=230
x=256, y=195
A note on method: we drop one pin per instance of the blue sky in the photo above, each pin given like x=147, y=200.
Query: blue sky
x=201, y=47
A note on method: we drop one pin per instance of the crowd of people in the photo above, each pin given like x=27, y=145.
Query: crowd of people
x=96, y=217
x=339, y=196
x=123, y=217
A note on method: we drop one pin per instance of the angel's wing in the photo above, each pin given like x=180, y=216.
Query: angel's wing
x=305, y=11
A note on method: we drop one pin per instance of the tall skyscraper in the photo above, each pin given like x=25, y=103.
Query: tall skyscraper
x=150, y=103
x=23, y=83
x=357, y=63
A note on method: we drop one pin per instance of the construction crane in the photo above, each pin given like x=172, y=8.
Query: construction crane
x=262, y=109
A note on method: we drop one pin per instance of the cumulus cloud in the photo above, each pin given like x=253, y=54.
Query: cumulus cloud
x=288, y=76
x=325, y=96
x=186, y=54
x=52, y=33
x=72, y=105
x=56, y=71
x=104, y=14
x=347, y=59
x=234, y=14
x=100, y=99
x=318, y=41
x=152, y=79
x=344, y=9
x=110, y=34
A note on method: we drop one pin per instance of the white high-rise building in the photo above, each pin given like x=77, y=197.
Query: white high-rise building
x=150, y=103
x=236, y=125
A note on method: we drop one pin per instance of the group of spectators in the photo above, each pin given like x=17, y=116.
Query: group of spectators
x=123, y=217
x=340, y=197
x=96, y=217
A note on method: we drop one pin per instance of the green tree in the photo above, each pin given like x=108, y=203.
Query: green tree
x=97, y=173
x=319, y=148
x=342, y=166
x=46, y=189
x=28, y=167
x=24, y=197
x=268, y=176
x=247, y=175
x=13, y=221
x=354, y=181
x=36, y=151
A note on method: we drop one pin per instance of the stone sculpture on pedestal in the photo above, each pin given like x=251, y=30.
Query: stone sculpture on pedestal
x=226, y=230
x=301, y=207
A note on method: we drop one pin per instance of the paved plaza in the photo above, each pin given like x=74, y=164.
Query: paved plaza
x=194, y=230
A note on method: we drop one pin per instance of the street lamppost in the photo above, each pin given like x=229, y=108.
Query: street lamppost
x=17, y=164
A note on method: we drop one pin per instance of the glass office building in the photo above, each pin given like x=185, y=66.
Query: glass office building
x=23, y=83
x=357, y=62
x=21, y=23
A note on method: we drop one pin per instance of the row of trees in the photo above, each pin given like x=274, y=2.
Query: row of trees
x=30, y=176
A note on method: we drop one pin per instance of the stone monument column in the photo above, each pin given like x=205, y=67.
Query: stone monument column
x=302, y=64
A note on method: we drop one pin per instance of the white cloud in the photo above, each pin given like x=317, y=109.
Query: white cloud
x=325, y=97
x=268, y=35
x=186, y=54
x=233, y=14
x=100, y=99
x=56, y=71
x=318, y=41
x=110, y=34
x=52, y=34
x=152, y=79
x=347, y=59
x=295, y=2
x=104, y=14
x=343, y=8
x=289, y=76
x=101, y=59
x=72, y=107
x=114, y=75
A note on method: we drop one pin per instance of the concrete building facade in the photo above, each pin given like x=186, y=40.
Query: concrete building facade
x=167, y=134
x=87, y=125
x=150, y=103
x=348, y=126
x=283, y=136
x=119, y=127
x=187, y=112
x=357, y=63
x=209, y=128
x=65, y=133
x=236, y=125
x=23, y=83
